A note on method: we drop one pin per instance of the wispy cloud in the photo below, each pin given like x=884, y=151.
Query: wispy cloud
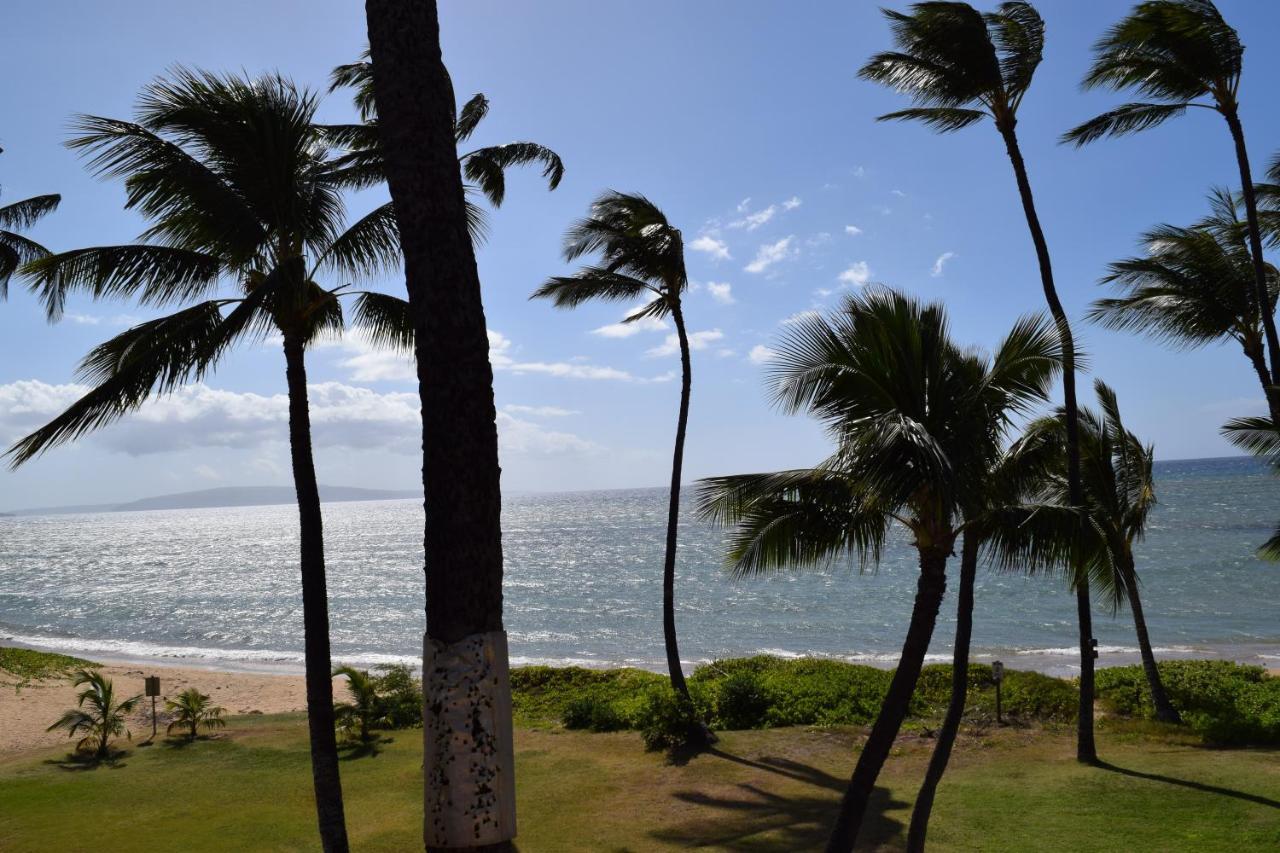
x=857, y=274
x=792, y=203
x=629, y=328
x=697, y=341
x=752, y=221
x=760, y=354
x=941, y=262
x=769, y=254
x=852, y=230
x=718, y=250
x=721, y=291
x=540, y=411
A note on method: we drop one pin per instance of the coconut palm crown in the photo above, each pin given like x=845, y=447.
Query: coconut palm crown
x=98, y=715
x=15, y=249
x=193, y=711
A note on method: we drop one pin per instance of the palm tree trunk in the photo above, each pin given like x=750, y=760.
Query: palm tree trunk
x=1165, y=712
x=959, y=693
x=467, y=736
x=1260, y=294
x=673, y=513
x=1086, y=750
x=315, y=609
x=853, y=806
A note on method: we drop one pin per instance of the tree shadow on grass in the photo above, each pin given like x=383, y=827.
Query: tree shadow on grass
x=79, y=762
x=795, y=822
x=354, y=749
x=1195, y=786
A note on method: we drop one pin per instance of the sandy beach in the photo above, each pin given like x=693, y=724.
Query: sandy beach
x=26, y=712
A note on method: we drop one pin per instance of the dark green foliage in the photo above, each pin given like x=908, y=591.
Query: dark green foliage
x=399, y=695
x=742, y=703
x=1034, y=696
x=543, y=694
x=1225, y=703
x=668, y=720
x=594, y=712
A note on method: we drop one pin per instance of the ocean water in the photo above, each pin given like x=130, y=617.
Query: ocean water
x=583, y=585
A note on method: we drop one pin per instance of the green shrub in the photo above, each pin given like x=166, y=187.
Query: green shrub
x=399, y=696
x=542, y=694
x=804, y=691
x=742, y=702
x=594, y=712
x=933, y=690
x=1225, y=703
x=31, y=665
x=1035, y=696
x=666, y=720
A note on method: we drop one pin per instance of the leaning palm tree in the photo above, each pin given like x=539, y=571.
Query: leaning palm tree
x=98, y=716
x=1119, y=494
x=962, y=67
x=364, y=711
x=1194, y=286
x=469, y=795
x=1181, y=54
x=193, y=711
x=16, y=250
x=485, y=168
x=236, y=180
x=641, y=258
x=916, y=420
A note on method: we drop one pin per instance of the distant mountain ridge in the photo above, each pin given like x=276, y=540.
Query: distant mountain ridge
x=229, y=496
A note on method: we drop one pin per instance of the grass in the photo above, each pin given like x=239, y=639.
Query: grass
x=29, y=665
x=768, y=790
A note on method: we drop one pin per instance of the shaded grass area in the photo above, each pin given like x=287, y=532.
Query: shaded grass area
x=766, y=790
x=30, y=665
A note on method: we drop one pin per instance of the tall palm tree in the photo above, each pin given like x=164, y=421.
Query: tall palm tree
x=960, y=67
x=245, y=217
x=97, y=715
x=1119, y=494
x=641, y=258
x=470, y=784
x=193, y=711
x=1181, y=54
x=485, y=168
x=16, y=250
x=916, y=420
x=1194, y=286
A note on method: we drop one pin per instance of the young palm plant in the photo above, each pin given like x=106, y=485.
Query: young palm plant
x=1181, y=54
x=1194, y=286
x=193, y=711
x=916, y=421
x=16, y=250
x=1119, y=494
x=641, y=258
x=237, y=182
x=961, y=67
x=364, y=710
x=485, y=168
x=98, y=715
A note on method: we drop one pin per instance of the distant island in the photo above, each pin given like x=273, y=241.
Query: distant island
x=227, y=496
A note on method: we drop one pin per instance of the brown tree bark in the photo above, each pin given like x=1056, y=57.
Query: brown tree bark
x=460, y=472
x=930, y=587
x=1165, y=712
x=315, y=610
x=1086, y=749
x=673, y=512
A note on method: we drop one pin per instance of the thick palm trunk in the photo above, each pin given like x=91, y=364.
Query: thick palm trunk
x=315, y=610
x=1159, y=697
x=468, y=755
x=853, y=807
x=1086, y=750
x=959, y=693
x=673, y=514
x=1260, y=294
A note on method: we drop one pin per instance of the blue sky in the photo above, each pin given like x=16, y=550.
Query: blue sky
x=745, y=121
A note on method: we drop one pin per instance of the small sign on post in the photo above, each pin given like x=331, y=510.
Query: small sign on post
x=153, y=690
x=997, y=675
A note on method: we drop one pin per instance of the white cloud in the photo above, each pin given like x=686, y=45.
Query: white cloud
x=798, y=317
x=760, y=354
x=744, y=205
x=627, y=329
x=857, y=274
x=697, y=341
x=721, y=292
x=717, y=249
x=819, y=239
x=792, y=203
x=197, y=416
x=540, y=411
x=936, y=272
x=752, y=221
x=206, y=472
x=898, y=193
x=859, y=172
x=99, y=320
x=852, y=230
x=769, y=254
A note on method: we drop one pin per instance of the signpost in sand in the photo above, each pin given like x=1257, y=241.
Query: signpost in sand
x=153, y=690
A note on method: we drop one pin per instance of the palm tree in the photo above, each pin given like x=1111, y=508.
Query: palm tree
x=97, y=715
x=470, y=784
x=916, y=420
x=1181, y=54
x=236, y=180
x=192, y=711
x=364, y=710
x=362, y=164
x=641, y=258
x=1119, y=494
x=16, y=250
x=961, y=67
x=1194, y=286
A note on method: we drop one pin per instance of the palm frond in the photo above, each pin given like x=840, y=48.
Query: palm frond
x=942, y=119
x=1125, y=119
x=591, y=283
x=486, y=167
x=370, y=246
x=386, y=319
x=23, y=214
x=470, y=116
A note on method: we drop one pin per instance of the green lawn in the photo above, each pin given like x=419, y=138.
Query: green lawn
x=770, y=790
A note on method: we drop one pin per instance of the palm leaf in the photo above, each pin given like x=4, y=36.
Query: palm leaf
x=387, y=320
x=23, y=214
x=1125, y=119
